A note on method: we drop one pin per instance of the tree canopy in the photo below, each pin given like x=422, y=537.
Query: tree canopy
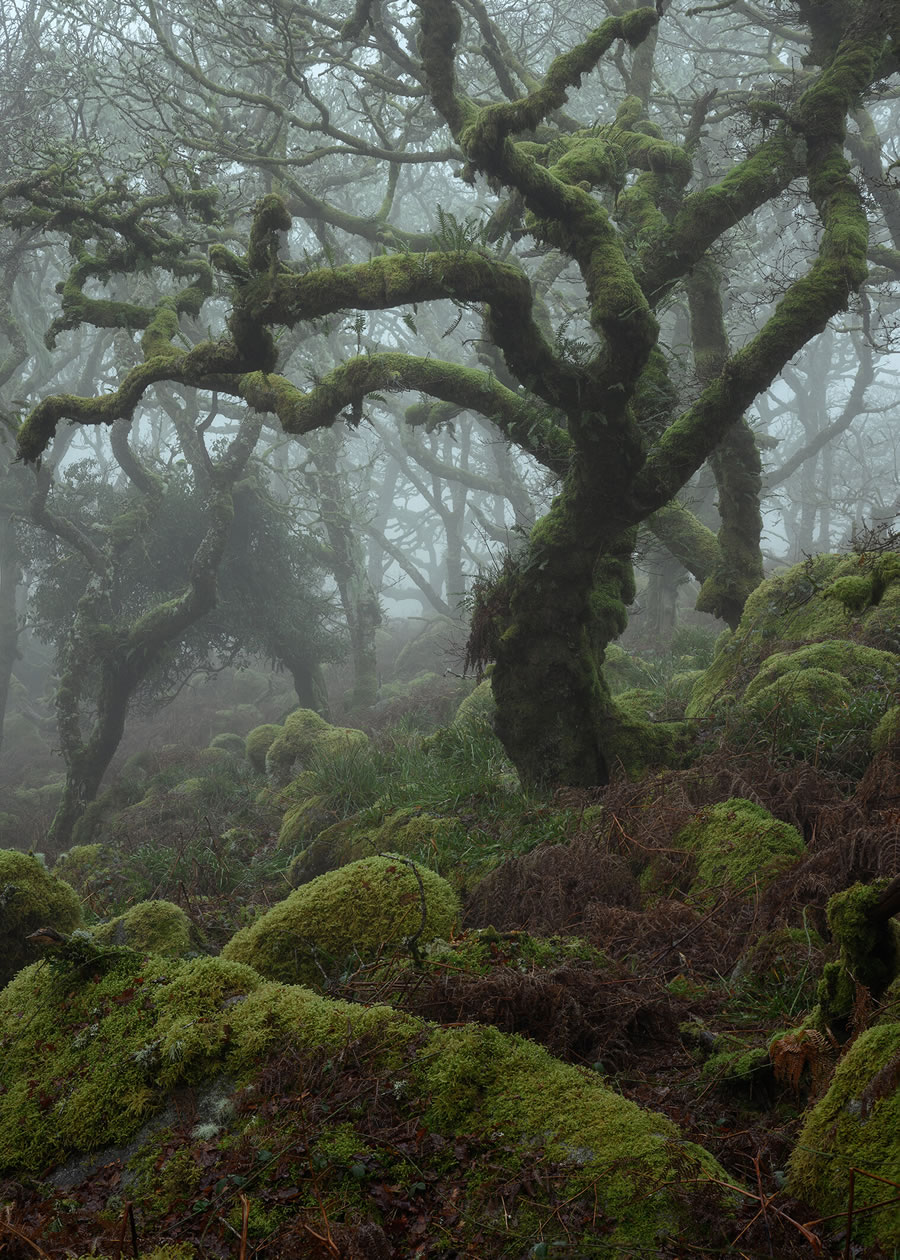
x=597, y=242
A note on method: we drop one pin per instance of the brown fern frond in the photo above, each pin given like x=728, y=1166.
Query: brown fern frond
x=795, y=1054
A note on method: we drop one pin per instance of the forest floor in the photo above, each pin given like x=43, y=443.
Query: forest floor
x=679, y=1018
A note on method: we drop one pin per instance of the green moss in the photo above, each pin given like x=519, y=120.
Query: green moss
x=81, y=866
x=479, y=1080
x=640, y=703
x=854, y=591
x=739, y=1068
x=154, y=927
x=478, y=707
x=355, y=912
x=869, y=953
x=736, y=844
x=258, y=743
x=303, y=734
x=856, y=1125
x=302, y=823
x=887, y=732
x=482, y=950
x=30, y=898
x=229, y=742
x=803, y=609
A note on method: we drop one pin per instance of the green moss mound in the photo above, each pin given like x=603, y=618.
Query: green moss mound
x=869, y=953
x=257, y=744
x=303, y=734
x=478, y=708
x=229, y=742
x=838, y=613
x=30, y=898
x=354, y=912
x=90, y=1053
x=856, y=1125
x=84, y=866
x=154, y=927
x=404, y=831
x=887, y=733
x=738, y=845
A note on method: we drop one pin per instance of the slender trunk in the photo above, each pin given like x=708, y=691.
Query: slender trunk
x=10, y=574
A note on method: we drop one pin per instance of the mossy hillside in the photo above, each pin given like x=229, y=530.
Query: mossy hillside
x=356, y=912
x=30, y=898
x=856, y=1125
x=303, y=734
x=738, y=845
x=153, y=927
x=103, y=1049
x=806, y=604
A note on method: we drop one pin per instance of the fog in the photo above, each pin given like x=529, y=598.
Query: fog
x=308, y=352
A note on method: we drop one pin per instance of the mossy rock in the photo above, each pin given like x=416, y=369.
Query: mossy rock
x=81, y=866
x=478, y=708
x=856, y=1125
x=405, y=831
x=257, y=744
x=738, y=845
x=869, y=953
x=88, y=1059
x=153, y=927
x=641, y=703
x=808, y=605
x=887, y=733
x=343, y=842
x=30, y=898
x=303, y=822
x=230, y=743
x=357, y=911
x=303, y=735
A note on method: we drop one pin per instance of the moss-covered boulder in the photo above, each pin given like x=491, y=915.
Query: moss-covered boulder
x=835, y=613
x=230, y=743
x=404, y=831
x=303, y=734
x=738, y=845
x=856, y=1125
x=89, y=1055
x=304, y=821
x=30, y=898
x=353, y=913
x=84, y=866
x=869, y=953
x=153, y=927
x=258, y=742
x=887, y=732
x=478, y=708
